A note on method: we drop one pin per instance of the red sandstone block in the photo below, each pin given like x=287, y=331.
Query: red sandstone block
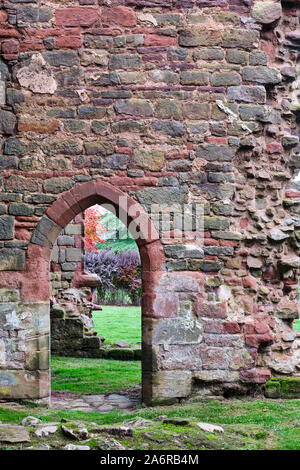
x=41, y=127
x=289, y=282
x=256, y=309
x=31, y=45
x=244, y=223
x=269, y=48
x=292, y=193
x=165, y=305
x=119, y=15
x=159, y=174
x=213, y=327
x=10, y=56
x=24, y=218
x=228, y=243
x=231, y=327
x=214, y=358
x=26, y=225
x=125, y=150
x=255, y=375
x=112, y=194
x=257, y=340
x=210, y=242
x=70, y=42
x=234, y=281
x=121, y=181
x=152, y=254
x=256, y=327
x=147, y=305
x=52, y=32
x=76, y=16
x=144, y=232
x=104, y=31
x=55, y=267
x=38, y=256
x=250, y=282
x=176, y=154
x=139, y=30
x=85, y=195
x=216, y=140
x=9, y=33
x=145, y=181
x=151, y=280
x=73, y=204
x=79, y=219
x=23, y=234
x=211, y=309
x=10, y=46
x=79, y=241
x=35, y=289
x=157, y=40
x=10, y=279
x=60, y=212
x=3, y=16
x=274, y=147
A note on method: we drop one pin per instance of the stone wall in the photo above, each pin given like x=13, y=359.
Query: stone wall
x=66, y=257
x=174, y=101
x=69, y=280
x=72, y=293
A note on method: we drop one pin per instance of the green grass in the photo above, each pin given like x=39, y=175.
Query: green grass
x=118, y=323
x=249, y=423
x=89, y=376
x=296, y=325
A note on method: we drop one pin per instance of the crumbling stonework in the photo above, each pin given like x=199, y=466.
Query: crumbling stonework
x=71, y=333
x=164, y=102
x=69, y=280
x=72, y=292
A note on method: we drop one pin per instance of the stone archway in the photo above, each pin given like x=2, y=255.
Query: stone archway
x=35, y=288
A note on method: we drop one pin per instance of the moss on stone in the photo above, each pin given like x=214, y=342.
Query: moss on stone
x=283, y=387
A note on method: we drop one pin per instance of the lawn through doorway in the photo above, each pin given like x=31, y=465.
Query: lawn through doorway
x=84, y=383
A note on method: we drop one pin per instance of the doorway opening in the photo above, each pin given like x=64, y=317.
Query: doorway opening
x=95, y=315
x=70, y=205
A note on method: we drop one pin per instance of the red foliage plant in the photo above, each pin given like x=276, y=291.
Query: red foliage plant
x=93, y=229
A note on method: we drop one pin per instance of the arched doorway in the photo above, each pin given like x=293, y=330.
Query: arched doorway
x=59, y=214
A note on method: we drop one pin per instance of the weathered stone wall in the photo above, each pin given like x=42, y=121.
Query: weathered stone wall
x=72, y=297
x=173, y=101
x=66, y=257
